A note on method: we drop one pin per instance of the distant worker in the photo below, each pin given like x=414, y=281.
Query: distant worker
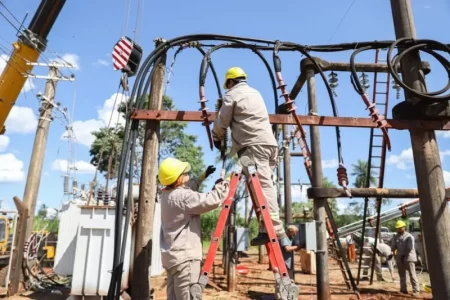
x=181, y=207
x=245, y=113
x=405, y=257
x=288, y=246
x=383, y=250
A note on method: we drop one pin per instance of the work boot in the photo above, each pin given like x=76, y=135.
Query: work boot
x=261, y=239
x=415, y=294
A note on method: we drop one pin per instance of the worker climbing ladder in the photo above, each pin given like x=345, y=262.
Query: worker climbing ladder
x=285, y=287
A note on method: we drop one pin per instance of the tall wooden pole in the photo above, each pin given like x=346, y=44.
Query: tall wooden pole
x=427, y=162
x=147, y=190
x=39, y=146
x=323, y=281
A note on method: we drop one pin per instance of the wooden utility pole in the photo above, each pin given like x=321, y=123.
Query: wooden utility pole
x=147, y=189
x=40, y=144
x=287, y=178
x=323, y=282
x=427, y=163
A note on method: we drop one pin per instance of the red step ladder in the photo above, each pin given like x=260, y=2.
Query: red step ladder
x=287, y=289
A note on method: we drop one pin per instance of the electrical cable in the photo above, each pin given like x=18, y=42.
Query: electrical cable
x=427, y=46
x=142, y=83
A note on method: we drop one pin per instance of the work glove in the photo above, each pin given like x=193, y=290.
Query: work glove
x=218, y=181
x=211, y=169
x=390, y=256
x=218, y=145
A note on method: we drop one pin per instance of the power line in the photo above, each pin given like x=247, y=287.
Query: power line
x=342, y=20
x=1, y=3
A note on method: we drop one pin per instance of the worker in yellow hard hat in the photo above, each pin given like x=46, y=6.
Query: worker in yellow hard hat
x=405, y=256
x=181, y=207
x=244, y=111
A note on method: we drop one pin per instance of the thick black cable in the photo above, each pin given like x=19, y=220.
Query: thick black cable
x=213, y=70
x=427, y=46
x=136, y=98
x=277, y=65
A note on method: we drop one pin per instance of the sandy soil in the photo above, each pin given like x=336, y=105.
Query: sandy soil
x=259, y=284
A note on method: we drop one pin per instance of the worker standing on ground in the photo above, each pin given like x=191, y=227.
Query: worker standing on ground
x=288, y=246
x=181, y=207
x=383, y=250
x=245, y=113
x=405, y=257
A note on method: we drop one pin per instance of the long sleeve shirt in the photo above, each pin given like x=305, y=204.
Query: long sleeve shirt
x=180, y=220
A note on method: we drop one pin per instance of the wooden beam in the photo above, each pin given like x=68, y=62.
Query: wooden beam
x=194, y=116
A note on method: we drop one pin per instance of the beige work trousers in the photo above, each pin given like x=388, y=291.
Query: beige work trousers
x=265, y=158
x=411, y=268
x=180, y=278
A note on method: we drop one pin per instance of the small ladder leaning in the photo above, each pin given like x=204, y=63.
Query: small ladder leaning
x=286, y=288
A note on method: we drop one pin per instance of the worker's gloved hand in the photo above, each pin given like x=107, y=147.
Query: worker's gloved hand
x=211, y=169
x=218, y=144
x=390, y=256
x=218, y=181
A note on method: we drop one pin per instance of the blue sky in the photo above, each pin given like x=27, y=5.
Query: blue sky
x=84, y=35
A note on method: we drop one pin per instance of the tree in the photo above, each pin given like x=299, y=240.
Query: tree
x=105, y=151
x=360, y=170
x=42, y=221
x=174, y=141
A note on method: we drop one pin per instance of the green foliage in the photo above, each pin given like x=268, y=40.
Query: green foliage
x=360, y=170
x=173, y=142
x=41, y=221
x=361, y=173
x=209, y=222
x=108, y=141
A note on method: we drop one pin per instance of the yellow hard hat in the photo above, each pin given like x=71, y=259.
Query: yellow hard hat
x=170, y=169
x=400, y=224
x=232, y=73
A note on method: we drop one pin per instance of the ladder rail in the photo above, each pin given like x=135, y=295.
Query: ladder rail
x=285, y=286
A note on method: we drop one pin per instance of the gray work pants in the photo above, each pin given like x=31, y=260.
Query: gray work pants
x=180, y=278
x=411, y=268
x=265, y=158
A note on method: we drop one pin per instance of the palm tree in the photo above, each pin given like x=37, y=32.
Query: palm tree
x=360, y=170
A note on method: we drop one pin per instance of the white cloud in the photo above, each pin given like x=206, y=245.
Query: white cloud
x=406, y=160
x=101, y=62
x=403, y=161
x=70, y=59
x=29, y=85
x=446, y=178
x=80, y=166
x=11, y=168
x=104, y=113
x=442, y=133
x=4, y=142
x=330, y=163
x=21, y=120
x=83, y=129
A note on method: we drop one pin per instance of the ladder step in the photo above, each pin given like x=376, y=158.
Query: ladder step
x=378, y=135
x=377, y=146
x=375, y=167
x=382, y=81
x=376, y=156
x=383, y=104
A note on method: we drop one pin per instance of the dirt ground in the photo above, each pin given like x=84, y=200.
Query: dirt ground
x=259, y=284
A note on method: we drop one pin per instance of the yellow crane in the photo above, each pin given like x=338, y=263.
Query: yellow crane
x=31, y=42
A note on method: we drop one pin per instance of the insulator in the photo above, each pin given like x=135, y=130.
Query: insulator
x=99, y=196
x=82, y=186
x=74, y=184
x=342, y=175
x=333, y=82
x=396, y=87
x=106, y=197
x=364, y=78
x=66, y=184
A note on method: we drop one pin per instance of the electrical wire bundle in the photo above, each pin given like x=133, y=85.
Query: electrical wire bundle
x=143, y=82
